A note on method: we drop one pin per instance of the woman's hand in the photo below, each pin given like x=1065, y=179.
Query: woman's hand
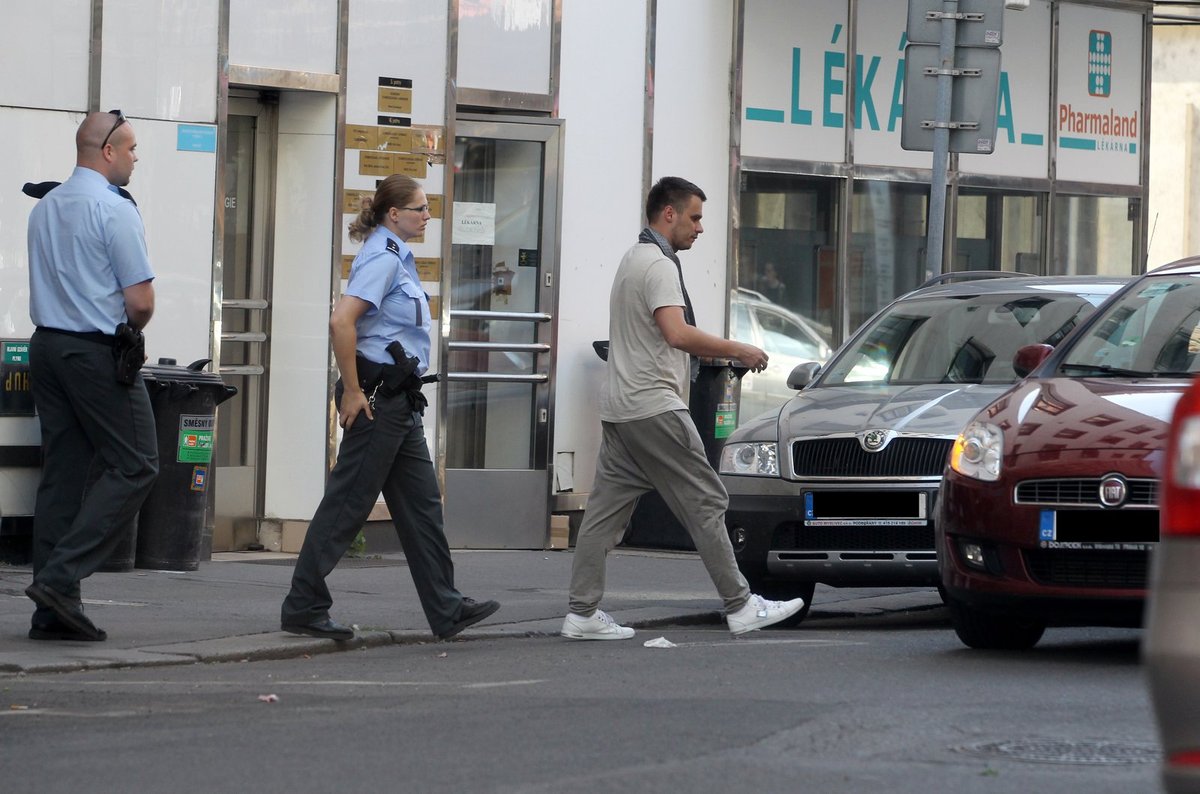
x=353, y=403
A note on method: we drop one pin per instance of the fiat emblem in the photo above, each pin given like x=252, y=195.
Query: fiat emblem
x=1113, y=491
x=873, y=440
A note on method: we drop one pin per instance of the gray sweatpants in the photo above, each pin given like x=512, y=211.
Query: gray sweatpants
x=662, y=453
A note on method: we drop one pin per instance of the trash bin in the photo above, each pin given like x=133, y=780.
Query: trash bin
x=713, y=404
x=172, y=521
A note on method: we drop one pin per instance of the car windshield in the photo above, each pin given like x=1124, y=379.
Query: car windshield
x=956, y=338
x=1151, y=331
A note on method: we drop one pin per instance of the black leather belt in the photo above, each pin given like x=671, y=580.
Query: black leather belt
x=90, y=336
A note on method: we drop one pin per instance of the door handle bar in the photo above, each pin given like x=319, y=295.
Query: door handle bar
x=516, y=347
x=244, y=336
x=244, y=303
x=485, y=377
x=529, y=317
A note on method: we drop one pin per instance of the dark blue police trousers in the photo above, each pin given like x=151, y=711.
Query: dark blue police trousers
x=389, y=455
x=87, y=418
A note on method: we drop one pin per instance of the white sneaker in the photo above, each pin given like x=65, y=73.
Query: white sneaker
x=759, y=613
x=600, y=626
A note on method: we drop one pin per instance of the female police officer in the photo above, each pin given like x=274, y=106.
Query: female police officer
x=379, y=406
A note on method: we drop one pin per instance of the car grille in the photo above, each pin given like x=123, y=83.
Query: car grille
x=845, y=457
x=797, y=537
x=1086, y=568
x=1082, y=491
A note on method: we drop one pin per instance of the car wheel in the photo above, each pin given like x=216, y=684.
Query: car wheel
x=989, y=631
x=775, y=590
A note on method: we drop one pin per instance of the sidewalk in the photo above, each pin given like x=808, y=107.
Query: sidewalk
x=228, y=610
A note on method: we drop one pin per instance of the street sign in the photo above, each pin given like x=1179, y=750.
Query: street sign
x=973, y=99
x=986, y=31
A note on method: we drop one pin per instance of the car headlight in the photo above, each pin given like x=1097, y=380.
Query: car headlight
x=758, y=458
x=977, y=451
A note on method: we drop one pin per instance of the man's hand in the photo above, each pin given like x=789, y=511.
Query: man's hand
x=750, y=356
x=353, y=403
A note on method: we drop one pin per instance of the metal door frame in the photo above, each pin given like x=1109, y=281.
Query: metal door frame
x=248, y=102
x=506, y=490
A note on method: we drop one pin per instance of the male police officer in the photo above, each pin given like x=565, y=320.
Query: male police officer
x=89, y=273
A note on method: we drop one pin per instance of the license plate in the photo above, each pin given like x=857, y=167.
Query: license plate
x=866, y=508
x=1115, y=530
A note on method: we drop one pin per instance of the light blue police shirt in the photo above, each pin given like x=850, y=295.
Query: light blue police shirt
x=384, y=274
x=86, y=245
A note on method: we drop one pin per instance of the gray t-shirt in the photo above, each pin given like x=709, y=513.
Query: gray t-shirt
x=646, y=376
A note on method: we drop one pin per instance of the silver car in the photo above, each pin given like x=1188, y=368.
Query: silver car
x=1171, y=641
x=788, y=338
x=839, y=484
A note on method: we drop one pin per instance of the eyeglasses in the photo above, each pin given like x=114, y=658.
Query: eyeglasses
x=421, y=209
x=120, y=120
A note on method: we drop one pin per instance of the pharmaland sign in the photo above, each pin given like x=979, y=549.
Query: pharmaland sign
x=1099, y=94
x=795, y=89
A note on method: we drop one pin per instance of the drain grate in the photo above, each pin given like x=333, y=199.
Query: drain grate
x=1050, y=751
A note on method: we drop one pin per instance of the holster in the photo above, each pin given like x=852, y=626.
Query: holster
x=389, y=380
x=129, y=352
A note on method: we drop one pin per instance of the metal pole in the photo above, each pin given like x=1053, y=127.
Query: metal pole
x=941, y=141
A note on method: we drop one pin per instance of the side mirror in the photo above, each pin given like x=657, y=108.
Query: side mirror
x=1029, y=358
x=803, y=374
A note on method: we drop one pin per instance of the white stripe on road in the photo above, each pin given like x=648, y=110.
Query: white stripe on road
x=747, y=642
x=315, y=682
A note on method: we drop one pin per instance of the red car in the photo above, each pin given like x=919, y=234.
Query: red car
x=1171, y=643
x=1049, y=508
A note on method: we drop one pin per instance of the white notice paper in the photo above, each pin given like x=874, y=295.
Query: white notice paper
x=474, y=223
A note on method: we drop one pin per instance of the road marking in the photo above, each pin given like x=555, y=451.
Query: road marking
x=747, y=642
x=313, y=682
x=63, y=713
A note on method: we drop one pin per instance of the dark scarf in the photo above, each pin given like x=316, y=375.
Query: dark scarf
x=648, y=235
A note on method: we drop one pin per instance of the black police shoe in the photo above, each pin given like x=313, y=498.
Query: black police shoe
x=471, y=613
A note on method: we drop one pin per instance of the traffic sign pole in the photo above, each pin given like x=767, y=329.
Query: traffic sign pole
x=935, y=234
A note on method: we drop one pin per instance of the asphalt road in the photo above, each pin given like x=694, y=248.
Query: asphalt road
x=893, y=704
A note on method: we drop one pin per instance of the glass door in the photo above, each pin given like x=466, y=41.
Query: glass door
x=498, y=399
x=245, y=318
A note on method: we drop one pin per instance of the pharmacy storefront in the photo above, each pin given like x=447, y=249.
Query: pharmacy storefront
x=833, y=208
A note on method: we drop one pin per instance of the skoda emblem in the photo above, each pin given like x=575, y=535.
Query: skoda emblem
x=1113, y=491
x=874, y=440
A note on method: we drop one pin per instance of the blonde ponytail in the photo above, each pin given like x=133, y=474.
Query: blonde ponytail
x=395, y=191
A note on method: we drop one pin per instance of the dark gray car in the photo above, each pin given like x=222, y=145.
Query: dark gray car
x=838, y=486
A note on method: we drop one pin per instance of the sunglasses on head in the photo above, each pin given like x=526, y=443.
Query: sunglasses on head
x=120, y=120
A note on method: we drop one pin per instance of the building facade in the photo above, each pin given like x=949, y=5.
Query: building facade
x=535, y=127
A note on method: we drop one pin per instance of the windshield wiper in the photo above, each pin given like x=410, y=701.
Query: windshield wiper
x=1105, y=369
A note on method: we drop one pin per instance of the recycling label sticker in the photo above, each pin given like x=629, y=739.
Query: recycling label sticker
x=725, y=421
x=196, y=438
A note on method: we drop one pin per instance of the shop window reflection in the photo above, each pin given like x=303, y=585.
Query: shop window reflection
x=887, y=238
x=1093, y=235
x=787, y=242
x=998, y=230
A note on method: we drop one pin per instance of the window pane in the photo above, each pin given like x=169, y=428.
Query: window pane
x=887, y=238
x=1093, y=235
x=998, y=231
x=787, y=244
